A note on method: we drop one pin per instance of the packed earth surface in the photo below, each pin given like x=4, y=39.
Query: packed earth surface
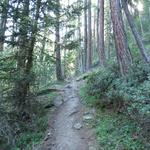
x=68, y=128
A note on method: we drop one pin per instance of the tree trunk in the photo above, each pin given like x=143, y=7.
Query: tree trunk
x=20, y=91
x=125, y=35
x=135, y=32
x=33, y=39
x=80, y=48
x=57, y=44
x=101, y=33
x=108, y=33
x=95, y=34
x=98, y=19
x=89, y=43
x=120, y=43
x=25, y=56
x=85, y=33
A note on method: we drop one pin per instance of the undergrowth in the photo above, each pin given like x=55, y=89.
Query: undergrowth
x=31, y=138
x=128, y=100
x=117, y=132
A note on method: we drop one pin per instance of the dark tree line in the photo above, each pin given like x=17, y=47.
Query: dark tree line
x=123, y=52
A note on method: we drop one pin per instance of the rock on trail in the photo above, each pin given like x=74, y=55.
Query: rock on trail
x=68, y=131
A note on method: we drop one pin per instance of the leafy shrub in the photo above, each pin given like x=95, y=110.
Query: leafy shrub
x=116, y=132
x=129, y=94
x=98, y=84
x=28, y=138
x=133, y=89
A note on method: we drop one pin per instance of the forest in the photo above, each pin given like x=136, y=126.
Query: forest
x=74, y=74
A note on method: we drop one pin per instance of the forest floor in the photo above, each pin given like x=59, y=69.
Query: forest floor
x=68, y=128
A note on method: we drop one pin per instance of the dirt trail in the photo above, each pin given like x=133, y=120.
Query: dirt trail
x=68, y=132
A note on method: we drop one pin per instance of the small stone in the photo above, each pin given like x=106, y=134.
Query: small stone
x=88, y=117
x=49, y=134
x=73, y=112
x=72, y=96
x=46, y=138
x=78, y=79
x=78, y=126
x=68, y=86
x=58, y=101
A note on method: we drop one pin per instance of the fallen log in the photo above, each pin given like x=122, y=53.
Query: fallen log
x=47, y=91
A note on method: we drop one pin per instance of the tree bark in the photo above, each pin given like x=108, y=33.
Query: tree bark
x=120, y=41
x=125, y=35
x=102, y=56
x=97, y=28
x=89, y=43
x=33, y=39
x=57, y=44
x=85, y=33
x=20, y=91
x=135, y=32
x=80, y=49
x=94, y=32
x=25, y=55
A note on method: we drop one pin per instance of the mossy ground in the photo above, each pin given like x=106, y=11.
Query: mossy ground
x=114, y=131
